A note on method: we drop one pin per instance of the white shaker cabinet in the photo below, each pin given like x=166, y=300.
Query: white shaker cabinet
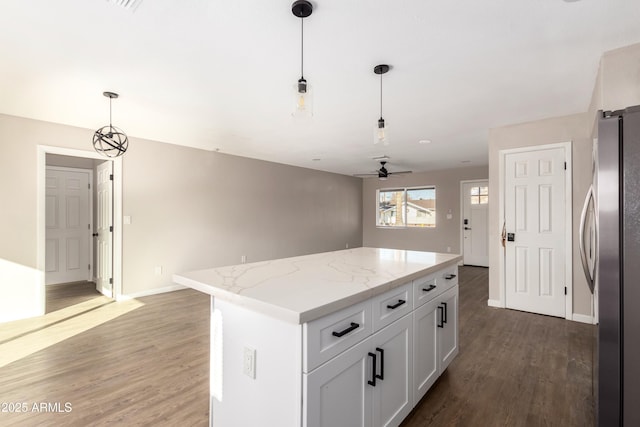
x=368, y=385
x=448, y=327
x=435, y=339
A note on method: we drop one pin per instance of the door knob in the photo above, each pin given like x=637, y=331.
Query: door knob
x=467, y=228
x=95, y=234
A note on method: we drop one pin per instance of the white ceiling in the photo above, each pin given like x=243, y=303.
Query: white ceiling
x=218, y=74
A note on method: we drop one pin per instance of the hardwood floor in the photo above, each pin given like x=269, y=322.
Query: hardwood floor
x=68, y=294
x=146, y=362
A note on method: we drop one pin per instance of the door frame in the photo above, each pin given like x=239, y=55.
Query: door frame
x=42, y=151
x=90, y=172
x=568, y=273
x=462, y=198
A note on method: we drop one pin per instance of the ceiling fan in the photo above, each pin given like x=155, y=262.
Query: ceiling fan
x=382, y=173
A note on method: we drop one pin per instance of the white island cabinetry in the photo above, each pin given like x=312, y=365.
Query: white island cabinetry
x=350, y=337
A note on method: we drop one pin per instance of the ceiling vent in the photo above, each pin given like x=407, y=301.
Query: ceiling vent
x=131, y=5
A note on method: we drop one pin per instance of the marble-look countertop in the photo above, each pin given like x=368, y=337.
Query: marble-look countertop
x=304, y=288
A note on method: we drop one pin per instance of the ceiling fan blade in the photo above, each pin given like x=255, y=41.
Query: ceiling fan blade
x=399, y=172
x=365, y=174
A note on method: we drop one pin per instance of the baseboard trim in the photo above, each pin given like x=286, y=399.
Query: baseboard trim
x=494, y=303
x=582, y=318
x=149, y=292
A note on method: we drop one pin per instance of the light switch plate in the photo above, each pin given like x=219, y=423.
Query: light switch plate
x=249, y=362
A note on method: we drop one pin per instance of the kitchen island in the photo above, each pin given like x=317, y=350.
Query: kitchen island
x=351, y=337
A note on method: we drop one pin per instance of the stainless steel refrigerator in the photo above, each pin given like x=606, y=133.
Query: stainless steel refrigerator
x=614, y=266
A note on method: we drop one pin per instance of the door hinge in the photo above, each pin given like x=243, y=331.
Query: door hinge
x=565, y=165
x=88, y=226
x=88, y=266
x=111, y=281
x=89, y=186
x=565, y=290
x=111, y=177
x=111, y=228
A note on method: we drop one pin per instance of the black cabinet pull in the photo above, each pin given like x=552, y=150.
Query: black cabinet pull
x=450, y=276
x=373, y=370
x=396, y=305
x=346, y=331
x=430, y=288
x=445, y=312
x=381, y=376
x=441, y=312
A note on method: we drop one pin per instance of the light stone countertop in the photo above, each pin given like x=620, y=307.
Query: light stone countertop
x=304, y=288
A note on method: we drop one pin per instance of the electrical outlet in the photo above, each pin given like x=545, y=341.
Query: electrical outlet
x=158, y=270
x=448, y=248
x=243, y=259
x=249, y=362
x=347, y=246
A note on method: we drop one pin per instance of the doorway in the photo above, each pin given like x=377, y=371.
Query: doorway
x=116, y=253
x=535, y=212
x=475, y=222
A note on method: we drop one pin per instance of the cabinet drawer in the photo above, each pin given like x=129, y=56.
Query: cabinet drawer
x=425, y=289
x=391, y=306
x=332, y=334
x=447, y=278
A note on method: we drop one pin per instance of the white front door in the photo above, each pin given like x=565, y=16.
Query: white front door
x=535, y=226
x=104, y=229
x=68, y=225
x=475, y=223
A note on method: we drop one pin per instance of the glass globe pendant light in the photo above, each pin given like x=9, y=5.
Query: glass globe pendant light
x=109, y=140
x=381, y=130
x=302, y=92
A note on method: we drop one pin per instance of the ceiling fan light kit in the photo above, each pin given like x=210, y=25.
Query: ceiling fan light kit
x=302, y=92
x=381, y=131
x=110, y=141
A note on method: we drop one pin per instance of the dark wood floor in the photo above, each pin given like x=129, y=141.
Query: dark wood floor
x=149, y=366
x=514, y=368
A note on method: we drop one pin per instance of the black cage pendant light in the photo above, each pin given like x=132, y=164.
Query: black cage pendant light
x=381, y=130
x=303, y=95
x=109, y=140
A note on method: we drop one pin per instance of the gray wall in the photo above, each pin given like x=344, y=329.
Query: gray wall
x=190, y=209
x=447, y=231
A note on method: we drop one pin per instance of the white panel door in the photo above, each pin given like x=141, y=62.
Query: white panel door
x=475, y=223
x=104, y=231
x=535, y=225
x=68, y=225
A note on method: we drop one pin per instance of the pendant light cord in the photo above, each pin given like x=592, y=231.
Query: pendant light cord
x=380, y=95
x=302, y=48
x=110, y=99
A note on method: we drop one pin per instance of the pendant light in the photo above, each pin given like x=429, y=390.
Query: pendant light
x=109, y=140
x=303, y=107
x=381, y=130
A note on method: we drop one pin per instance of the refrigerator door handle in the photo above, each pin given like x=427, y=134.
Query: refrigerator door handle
x=583, y=255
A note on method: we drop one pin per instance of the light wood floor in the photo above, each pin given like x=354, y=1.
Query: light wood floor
x=150, y=366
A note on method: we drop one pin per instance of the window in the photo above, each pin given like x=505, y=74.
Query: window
x=479, y=195
x=407, y=207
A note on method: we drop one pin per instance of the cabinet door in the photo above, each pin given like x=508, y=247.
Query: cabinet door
x=426, y=356
x=449, y=332
x=393, y=393
x=338, y=393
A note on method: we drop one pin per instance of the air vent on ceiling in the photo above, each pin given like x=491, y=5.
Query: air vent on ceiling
x=131, y=5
